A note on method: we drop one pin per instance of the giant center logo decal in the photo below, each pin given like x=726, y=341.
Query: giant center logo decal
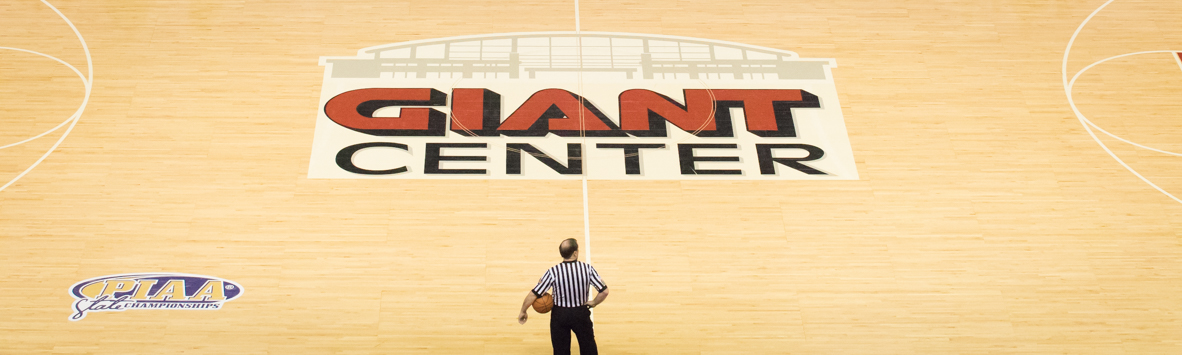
x=566, y=105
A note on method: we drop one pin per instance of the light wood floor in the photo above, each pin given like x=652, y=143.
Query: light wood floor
x=986, y=220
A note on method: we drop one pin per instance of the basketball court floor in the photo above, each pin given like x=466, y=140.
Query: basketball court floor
x=999, y=203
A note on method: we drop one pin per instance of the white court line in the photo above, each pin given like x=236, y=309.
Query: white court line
x=60, y=125
x=586, y=154
x=78, y=114
x=586, y=224
x=577, y=27
x=1083, y=121
x=1071, y=88
x=582, y=126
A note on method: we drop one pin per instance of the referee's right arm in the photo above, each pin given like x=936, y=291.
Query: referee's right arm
x=544, y=284
x=529, y=300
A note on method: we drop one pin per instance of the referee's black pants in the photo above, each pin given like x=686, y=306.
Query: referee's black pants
x=563, y=320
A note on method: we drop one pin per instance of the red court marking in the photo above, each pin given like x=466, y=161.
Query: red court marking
x=1178, y=56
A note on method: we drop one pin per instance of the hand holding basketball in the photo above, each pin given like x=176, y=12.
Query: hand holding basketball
x=544, y=304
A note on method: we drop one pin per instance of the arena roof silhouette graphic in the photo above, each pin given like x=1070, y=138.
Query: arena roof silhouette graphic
x=556, y=55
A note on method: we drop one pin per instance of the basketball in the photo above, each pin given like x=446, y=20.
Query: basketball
x=544, y=304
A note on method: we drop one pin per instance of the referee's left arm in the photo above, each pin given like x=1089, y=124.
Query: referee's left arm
x=600, y=287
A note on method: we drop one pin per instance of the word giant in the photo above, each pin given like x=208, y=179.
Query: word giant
x=565, y=105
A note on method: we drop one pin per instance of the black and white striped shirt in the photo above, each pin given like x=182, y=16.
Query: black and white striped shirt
x=571, y=281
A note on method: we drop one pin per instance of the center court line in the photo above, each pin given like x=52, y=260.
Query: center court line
x=586, y=224
x=577, y=17
x=586, y=208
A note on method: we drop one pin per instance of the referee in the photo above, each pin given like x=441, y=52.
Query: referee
x=571, y=281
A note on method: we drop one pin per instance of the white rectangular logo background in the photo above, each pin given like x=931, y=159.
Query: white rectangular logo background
x=519, y=69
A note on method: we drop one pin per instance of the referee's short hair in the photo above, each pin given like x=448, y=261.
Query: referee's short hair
x=568, y=247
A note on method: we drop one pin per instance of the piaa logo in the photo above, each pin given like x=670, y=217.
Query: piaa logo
x=579, y=105
x=151, y=291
